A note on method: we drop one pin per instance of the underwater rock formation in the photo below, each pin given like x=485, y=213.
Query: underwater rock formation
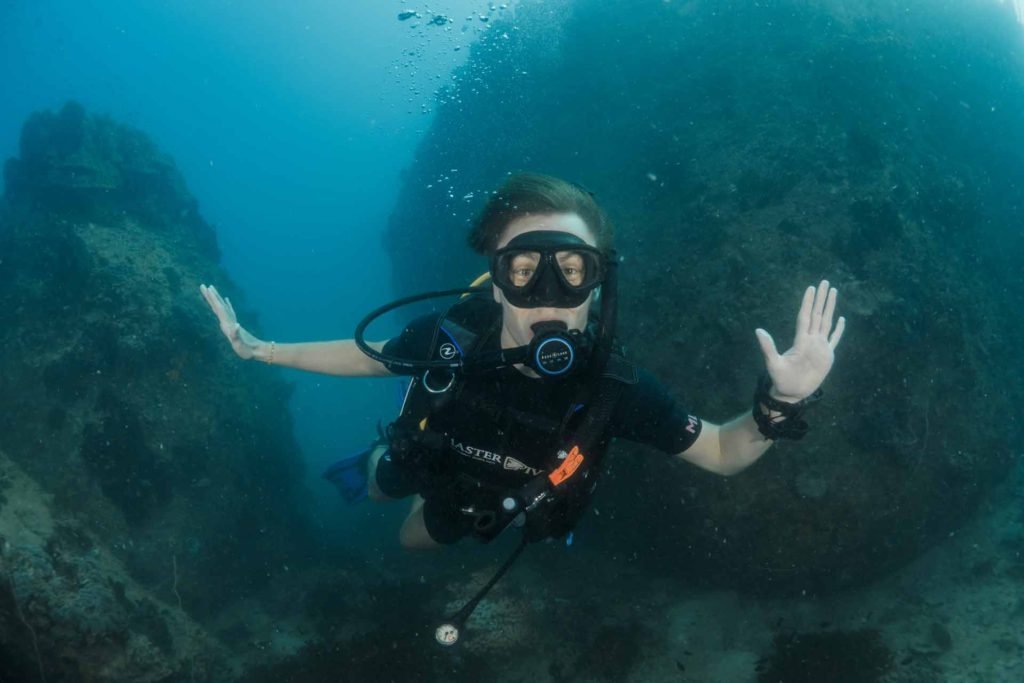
x=155, y=478
x=746, y=150
x=91, y=169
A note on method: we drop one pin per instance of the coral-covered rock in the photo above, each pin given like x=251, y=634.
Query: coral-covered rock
x=72, y=611
x=92, y=168
x=174, y=460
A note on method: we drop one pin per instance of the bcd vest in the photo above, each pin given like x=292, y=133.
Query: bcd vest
x=552, y=502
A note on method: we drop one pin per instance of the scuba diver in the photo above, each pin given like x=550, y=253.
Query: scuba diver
x=517, y=389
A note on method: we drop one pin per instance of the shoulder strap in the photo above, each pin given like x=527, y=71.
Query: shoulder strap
x=469, y=321
x=620, y=369
x=466, y=324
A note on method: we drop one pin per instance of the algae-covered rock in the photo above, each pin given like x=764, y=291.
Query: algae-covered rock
x=72, y=611
x=89, y=167
x=165, y=459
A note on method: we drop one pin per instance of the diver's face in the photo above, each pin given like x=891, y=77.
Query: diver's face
x=516, y=322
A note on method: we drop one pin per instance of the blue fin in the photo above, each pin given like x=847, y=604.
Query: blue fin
x=349, y=476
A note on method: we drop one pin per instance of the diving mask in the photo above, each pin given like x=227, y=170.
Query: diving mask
x=547, y=268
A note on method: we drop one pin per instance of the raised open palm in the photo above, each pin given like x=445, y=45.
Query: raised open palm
x=798, y=372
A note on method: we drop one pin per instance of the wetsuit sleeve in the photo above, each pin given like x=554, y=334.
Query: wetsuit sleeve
x=648, y=414
x=415, y=342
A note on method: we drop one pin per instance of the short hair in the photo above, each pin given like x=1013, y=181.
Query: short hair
x=532, y=193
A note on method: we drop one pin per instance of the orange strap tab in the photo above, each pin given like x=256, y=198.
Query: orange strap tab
x=568, y=467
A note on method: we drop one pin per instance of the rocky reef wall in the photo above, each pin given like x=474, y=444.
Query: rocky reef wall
x=746, y=150
x=149, y=478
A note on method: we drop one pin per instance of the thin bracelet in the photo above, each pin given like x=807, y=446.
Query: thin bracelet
x=270, y=358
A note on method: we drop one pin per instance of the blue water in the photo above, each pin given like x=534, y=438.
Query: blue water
x=290, y=122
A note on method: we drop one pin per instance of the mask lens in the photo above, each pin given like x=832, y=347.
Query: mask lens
x=519, y=268
x=573, y=266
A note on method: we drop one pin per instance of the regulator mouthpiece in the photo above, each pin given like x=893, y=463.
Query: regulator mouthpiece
x=555, y=350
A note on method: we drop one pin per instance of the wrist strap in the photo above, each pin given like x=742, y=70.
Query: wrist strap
x=790, y=423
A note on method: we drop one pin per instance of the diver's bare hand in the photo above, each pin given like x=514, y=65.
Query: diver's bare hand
x=244, y=344
x=798, y=372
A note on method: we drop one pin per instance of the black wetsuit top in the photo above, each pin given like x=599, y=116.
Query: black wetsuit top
x=503, y=428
